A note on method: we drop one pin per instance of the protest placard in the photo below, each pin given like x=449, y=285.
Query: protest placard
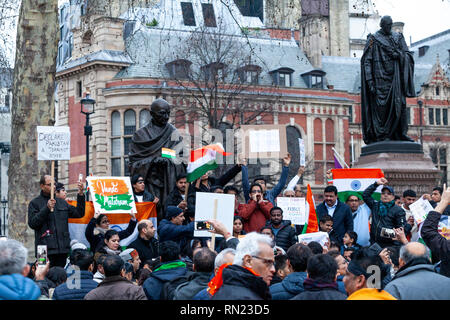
x=293, y=209
x=420, y=210
x=301, y=145
x=53, y=143
x=111, y=194
x=263, y=141
x=320, y=237
x=206, y=210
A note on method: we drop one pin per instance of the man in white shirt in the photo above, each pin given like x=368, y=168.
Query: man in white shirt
x=361, y=214
x=409, y=197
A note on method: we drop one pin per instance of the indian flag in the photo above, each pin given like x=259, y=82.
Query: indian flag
x=118, y=221
x=202, y=160
x=312, y=223
x=168, y=153
x=354, y=181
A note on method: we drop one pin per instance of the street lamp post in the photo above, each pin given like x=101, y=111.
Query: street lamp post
x=420, y=123
x=4, y=204
x=87, y=108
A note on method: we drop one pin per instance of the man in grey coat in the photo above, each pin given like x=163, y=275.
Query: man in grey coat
x=416, y=278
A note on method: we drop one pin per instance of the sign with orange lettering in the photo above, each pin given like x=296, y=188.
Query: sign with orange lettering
x=112, y=194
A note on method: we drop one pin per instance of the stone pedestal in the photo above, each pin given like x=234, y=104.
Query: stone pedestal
x=404, y=164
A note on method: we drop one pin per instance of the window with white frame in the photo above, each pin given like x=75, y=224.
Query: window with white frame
x=438, y=116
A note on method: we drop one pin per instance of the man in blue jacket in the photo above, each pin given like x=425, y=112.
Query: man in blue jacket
x=339, y=211
x=172, y=228
x=271, y=194
x=171, y=267
x=80, y=280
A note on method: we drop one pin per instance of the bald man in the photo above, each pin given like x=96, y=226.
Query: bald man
x=145, y=244
x=416, y=278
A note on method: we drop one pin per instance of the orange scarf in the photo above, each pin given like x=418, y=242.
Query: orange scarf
x=217, y=281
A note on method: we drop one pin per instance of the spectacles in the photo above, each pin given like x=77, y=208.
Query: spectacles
x=269, y=263
x=256, y=191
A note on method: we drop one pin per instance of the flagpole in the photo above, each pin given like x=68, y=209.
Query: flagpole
x=340, y=158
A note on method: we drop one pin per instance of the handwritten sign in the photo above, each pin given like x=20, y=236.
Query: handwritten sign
x=293, y=209
x=112, y=194
x=53, y=143
x=420, y=210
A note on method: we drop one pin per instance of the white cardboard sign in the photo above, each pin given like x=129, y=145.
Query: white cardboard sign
x=420, y=210
x=53, y=143
x=320, y=237
x=204, y=210
x=294, y=209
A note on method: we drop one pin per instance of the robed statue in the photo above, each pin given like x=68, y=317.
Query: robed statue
x=387, y=78
x=145, y=156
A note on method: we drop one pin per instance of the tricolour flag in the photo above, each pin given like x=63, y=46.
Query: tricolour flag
x=312, y=223
x=168, y=153
x=203, y=160
x=118, y=221
x=354, y=181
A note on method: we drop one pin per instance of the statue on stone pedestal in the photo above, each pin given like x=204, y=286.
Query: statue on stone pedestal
x=387, y=78
x=145, y=156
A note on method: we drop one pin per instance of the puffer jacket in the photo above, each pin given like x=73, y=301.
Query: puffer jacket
x=394, y=218
x=52, y=228
x=86, y=284
x=291, y=286
x=285, y=236
x=17, y=287
x=167, y=271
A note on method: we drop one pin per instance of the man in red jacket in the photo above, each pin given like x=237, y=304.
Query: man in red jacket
x=257, y=211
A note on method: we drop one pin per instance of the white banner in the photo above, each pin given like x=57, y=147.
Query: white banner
x=294, y=209
x=53, y=143
x=420, y=210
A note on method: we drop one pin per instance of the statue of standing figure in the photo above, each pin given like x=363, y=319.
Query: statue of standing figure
x=387, y=78
x=145, y=156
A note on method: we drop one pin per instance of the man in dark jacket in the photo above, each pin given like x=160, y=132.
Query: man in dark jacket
x=115, y=286
x=139, y=192
x=250, y=275
x=176, y=196
x=80, y=280
x=203, y=268
x=49, y=220
x=439, y=246
x=146, y=244
x=321, y=281
x=385, y=214
x=171, y=267
x=172, y=228
x=282, y=229
x=339, y=211
x=292, y=285
x=416, y=278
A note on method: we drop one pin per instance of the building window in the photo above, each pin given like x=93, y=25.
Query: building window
x=79, y=89
x=249, y=74
x=188, y=14
x=284, y=79
x=208, y=15
x=439, y=157
x=423, y=50
x=445, y=117
x=214, y=71
x=437, y=91
x=70, y=45
x=179, y=69
x=116, y=153
x=144, y=118
x=129, y=122
x=314, y=78
x=438, y=116
x=350, y=113
x=316, y=81
x=408, y=115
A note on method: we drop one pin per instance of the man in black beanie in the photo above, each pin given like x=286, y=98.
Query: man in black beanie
x=172, y=228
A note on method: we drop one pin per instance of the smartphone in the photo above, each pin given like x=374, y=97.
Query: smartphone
x=203, y=225
x=42, y=255
x=387, y=233
x=80, y=177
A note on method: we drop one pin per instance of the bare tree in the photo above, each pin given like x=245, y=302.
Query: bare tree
x=33, y=90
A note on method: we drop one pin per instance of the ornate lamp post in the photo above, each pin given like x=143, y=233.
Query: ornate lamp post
x=87, y=108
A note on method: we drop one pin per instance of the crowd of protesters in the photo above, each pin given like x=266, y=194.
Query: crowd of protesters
x=375, y=250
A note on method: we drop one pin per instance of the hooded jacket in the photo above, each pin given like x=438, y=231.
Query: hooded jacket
x=162, y=274
x=291, y=286
x=419, y=282
x=17, y=287
x=241, y=284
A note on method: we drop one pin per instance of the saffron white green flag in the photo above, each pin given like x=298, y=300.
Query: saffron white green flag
x=203, y=160
x=354, y=181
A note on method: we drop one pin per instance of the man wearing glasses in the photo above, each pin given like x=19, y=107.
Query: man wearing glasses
x=49, y=220
x=361, y=214
x=250, y=274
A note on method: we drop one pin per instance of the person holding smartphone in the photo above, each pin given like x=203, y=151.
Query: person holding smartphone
x=49, y=220
x=256, y=212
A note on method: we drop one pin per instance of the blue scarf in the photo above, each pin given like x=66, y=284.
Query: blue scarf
x=384, y=207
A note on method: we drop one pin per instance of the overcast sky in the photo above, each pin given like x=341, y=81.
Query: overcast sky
x=422, y=18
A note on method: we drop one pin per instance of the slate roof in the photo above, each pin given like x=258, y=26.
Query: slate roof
x=103, y=55
x=344, y=73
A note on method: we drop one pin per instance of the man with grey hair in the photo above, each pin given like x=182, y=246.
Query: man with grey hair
x=249, y=277
x=416, y=278
x=14, y=284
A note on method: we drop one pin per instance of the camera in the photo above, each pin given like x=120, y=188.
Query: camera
x=203, y=225
x=387, y=233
